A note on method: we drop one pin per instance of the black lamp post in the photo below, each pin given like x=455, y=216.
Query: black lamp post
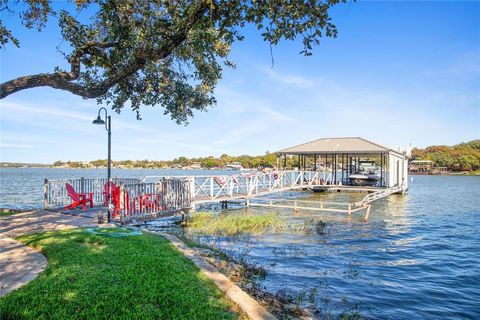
x=108, y=127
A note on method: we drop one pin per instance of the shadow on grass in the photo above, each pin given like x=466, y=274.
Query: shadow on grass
x=96, y=277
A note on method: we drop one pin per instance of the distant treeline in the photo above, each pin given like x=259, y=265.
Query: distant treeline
x=460, y=157
x=266, y=160
x=22, y=164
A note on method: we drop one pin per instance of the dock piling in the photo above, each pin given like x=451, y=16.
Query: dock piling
x=367, y=213
x=45, y=193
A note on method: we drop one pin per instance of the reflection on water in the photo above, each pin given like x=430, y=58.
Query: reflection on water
x=416, y=258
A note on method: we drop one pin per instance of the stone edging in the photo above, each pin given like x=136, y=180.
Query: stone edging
x=247, y=304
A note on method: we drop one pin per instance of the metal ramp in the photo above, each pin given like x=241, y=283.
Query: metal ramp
x=310, y=205
x=340, y=207
x=380, y=194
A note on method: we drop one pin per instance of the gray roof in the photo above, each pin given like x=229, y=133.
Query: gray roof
x=337, y=145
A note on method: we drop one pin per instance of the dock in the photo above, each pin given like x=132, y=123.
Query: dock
x=322, y=165
x=141, y=200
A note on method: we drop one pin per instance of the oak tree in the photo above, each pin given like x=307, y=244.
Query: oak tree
x=167, y=53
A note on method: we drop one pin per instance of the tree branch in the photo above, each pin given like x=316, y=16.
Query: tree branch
x=64, y=80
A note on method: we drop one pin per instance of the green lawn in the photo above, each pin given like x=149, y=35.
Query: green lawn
x=98, y=277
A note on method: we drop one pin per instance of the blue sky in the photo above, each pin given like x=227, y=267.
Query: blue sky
x=398, y=73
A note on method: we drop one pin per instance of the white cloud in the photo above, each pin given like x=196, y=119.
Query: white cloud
x=465, y=67
x=288, y=79
x=45, y=115
x=15, y=146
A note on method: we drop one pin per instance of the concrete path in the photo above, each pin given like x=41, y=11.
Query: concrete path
x=20, y=264
x=41, y=221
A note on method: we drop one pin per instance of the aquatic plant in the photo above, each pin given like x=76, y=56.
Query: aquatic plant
x=235, y=224
x=300, y=298
x=239, y=224
x=352, y=313
x=320, y=227
x=288, y=250
x=312, y=295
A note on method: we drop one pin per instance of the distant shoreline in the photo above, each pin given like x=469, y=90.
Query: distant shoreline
x=130, y=168
x=462, y=173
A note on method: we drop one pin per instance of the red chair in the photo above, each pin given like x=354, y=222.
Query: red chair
x=115, y=192
x=78, y=198
x=221, y=180
x=113, y=188
x=150, y=201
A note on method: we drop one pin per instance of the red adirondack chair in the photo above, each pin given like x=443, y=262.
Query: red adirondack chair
x=221, y=180
x=113, y=188
x=78, y=198
x=115, y=192
x=149, y=202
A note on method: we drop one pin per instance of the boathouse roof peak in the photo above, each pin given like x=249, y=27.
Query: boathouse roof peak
x=337, y=145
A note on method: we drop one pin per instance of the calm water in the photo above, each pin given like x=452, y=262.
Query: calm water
x=418, y=257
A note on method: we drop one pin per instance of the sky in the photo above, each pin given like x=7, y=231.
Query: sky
x=399, y=73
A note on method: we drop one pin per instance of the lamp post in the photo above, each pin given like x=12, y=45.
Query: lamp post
x=108, y=127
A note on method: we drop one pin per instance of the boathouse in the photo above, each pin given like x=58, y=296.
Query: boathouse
x=340, y=158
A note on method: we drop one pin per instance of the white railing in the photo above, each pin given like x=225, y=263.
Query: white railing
x=150, y=200
x=56, y=195
x=246, y=185
x=380, y=194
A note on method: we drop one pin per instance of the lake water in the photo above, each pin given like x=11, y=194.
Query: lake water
x=418, y=257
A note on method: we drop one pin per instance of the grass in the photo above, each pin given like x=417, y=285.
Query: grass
x=234, y=224
x=107, y=231
x=8, y=212
x=237, y=224
x=97, y=277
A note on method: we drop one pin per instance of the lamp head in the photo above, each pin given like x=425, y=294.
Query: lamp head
x=98, y=120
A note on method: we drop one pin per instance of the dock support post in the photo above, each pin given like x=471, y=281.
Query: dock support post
x=45, y=193
x=211, y=188
x=349, y=209
x=82, y=185
x=191, y=181
x=295, y=207
x=367, y=213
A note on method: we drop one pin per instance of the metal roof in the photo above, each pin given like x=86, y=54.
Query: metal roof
x=337, y=145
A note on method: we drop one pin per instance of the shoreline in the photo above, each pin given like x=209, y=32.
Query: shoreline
x=459, y=173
